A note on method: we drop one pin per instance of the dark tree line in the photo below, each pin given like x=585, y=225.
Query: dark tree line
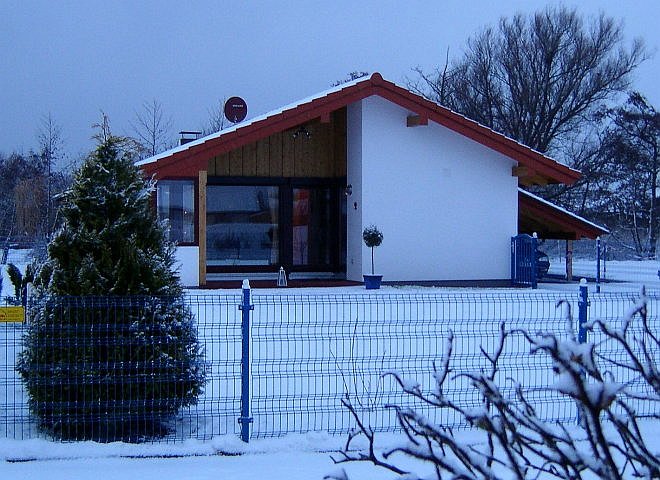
x=624, y=191
x=27, y=197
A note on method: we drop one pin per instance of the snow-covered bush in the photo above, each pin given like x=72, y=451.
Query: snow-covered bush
x=607, y=444
x=20, y=282
x=111, y=351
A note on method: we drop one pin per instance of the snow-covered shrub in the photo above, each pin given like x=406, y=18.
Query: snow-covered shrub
x=607, y=444
x=20, y=282
x=111, y=351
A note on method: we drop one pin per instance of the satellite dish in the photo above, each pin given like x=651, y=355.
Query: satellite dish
x=235, y=109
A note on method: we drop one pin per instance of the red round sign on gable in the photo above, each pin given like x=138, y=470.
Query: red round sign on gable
x=235, y=109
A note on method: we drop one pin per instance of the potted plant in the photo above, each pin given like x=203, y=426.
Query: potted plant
x=372, y=238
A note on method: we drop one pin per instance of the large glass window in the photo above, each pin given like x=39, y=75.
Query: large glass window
x=176, y=204
x=242, y=225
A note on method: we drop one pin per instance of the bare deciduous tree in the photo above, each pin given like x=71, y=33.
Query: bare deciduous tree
x=50, y=150
x=129, y=145
x=519, y=444
x=216, y=120
x=152, y=128
x=534, y=78
x=103, y=134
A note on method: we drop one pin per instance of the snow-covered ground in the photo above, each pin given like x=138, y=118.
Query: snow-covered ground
x=295, y=457
x=299, y=458
x=291, y=457
x=616, y=275
x=282, y=462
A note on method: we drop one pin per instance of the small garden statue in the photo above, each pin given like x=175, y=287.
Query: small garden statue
x=372, y=238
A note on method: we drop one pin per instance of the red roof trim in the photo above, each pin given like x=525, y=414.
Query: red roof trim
x=195, y=158
x=545, y=211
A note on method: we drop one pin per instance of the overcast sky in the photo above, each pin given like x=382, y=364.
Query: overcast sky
x=73, y=59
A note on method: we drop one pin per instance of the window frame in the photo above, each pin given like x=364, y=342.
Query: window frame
x=286, y=186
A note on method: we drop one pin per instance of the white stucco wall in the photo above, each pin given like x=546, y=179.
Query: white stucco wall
x=354, y=201
x=447, y=205
x=187, y=265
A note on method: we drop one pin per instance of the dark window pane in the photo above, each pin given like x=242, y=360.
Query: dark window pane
x=242, y=225
x=312, y=226
x=176, y=204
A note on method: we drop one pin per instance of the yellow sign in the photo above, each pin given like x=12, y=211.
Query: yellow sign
x=12, y=314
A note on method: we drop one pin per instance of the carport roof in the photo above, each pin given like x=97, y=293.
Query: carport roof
x=550, y=221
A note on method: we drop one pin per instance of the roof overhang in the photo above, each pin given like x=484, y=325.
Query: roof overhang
x=532, y=166
x=549, y=221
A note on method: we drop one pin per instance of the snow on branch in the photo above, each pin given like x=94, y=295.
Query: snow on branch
x=517, y=443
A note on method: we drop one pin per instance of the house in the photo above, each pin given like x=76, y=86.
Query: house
x=296, y=187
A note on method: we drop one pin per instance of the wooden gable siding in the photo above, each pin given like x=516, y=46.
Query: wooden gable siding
x=321, y=155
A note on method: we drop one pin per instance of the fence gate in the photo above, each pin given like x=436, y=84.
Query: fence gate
x=523, y=261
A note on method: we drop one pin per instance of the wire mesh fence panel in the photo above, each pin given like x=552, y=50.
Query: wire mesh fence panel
x=219, y=332
x=15, y=419
x=309, y=352
x=122, y=368
x=111, y=368
x=620, y=311
x=616, y=265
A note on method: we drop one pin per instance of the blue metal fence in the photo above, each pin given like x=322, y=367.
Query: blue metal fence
x=279, y=363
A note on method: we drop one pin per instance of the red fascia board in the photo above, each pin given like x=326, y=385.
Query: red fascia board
x=542, y=210
x=195, y=158
x=487, y=137
x=285, y=122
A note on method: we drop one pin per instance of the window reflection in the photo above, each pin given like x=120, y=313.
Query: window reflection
x=312, y=232
x=242, y=225
x=176, y=204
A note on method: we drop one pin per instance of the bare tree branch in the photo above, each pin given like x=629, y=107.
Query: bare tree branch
x=608, y=443
x=152, y=128
x=534, y=78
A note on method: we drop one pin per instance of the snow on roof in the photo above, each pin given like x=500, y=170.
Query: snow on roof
x=562, y=210
x=250, y=121
x=322, y=94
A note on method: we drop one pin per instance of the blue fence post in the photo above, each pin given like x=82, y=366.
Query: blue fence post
x=533, y=261
x=583, y=312
x=583, y=303
x=605, y=261
x=514, y=277
x=598, y=251
x=245, y=420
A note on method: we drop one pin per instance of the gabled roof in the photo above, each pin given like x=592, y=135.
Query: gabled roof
x=194, y=156
x=550, y=221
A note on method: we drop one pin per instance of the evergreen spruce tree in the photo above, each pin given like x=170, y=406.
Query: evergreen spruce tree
x=111, y=351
